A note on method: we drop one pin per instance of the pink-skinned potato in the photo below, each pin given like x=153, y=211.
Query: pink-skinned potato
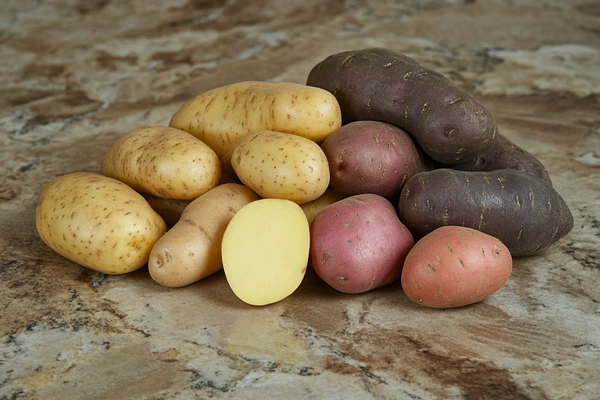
x=372, y=157
x=359, y=244
x=454, y=266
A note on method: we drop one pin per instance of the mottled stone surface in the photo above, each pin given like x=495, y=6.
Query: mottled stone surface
x=75, y=75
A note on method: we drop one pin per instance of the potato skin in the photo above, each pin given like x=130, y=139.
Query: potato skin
x=359, y=244
x=454, y=266
x=504, y=154
x=170, y=210
x=97, y=222
x=282, y=166
x=191, y=250
x=312, y=208
x=222, y=116
x=521, y=210
x=372, y=157
x=379, y=84
x=163, y=161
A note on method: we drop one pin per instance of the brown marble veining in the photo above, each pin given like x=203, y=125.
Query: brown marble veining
x=75, y=75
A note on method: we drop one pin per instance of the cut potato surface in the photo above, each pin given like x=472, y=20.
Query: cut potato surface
x=265, y=250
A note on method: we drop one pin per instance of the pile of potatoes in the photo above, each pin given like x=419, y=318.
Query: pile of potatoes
x=377, y=170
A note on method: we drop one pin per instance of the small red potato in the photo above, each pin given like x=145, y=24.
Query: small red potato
x=359, y=244
x=454, y=266
x=372, y=157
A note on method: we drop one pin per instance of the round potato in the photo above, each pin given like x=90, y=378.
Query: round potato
x=282, y=166
x=372, y=157
x=454, y=266
x=163, y=161
x=98, y=222
x=359, y=244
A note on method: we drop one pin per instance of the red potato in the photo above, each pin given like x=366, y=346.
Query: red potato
x=372, y=157
x=359, y=244
x=454, y=266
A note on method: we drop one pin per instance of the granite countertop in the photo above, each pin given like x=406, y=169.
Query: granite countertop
x=75, y=75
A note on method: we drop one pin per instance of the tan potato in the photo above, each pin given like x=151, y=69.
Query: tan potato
x=191, y=250
x=97, y=222
x=163, y=161
x=221, y=116
x=312, y=208
x=265, y=251
x=280, y=165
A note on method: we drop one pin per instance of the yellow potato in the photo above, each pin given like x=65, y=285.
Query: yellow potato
x=265, y=251
x=163, y=161
x=97, y=222
x=280, y=165
x=191, y=250
x=312, y=208
x=221, y=116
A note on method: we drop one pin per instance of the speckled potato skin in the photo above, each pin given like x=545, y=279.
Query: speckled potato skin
x=379, y=84
x=372, y=157
x=520, y=209
x=191, y=250
x=454, y=266
x=98, y=222
x=166, y=162
x=281, y=165
x=358, y=244
x=222, y=116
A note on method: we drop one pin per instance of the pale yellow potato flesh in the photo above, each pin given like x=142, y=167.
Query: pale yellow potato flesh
x=222, y=116
x=282, y=166
x=166, y=162
x=191, y=250
x=265, y=251
x=97, y=222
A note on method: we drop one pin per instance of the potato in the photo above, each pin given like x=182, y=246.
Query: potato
x=504, y=154
x=280, y=165
x=378, y=84
x=97, y=222
x=521, y=210
x=359, y=244
x=312, y=208
x=265, y=251
x=454, y=266
x=163, y=161
x=372, y=157
x=222, y=116
x=191, y=250
x=170, y=210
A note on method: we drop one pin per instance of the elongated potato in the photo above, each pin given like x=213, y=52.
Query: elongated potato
x=163, y=161
x=454, y=266
x=97, y=222
x=281, y=165
x=191, y=250
x=221, y=116
x=379, y=84
x=265, y=250
x=521, y=210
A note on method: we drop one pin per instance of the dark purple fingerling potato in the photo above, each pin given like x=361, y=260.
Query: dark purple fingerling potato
x=379, y=84
x=524, y=212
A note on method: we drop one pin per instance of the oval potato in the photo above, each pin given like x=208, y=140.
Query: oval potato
x=280, y=165
x=163, y=161
x=454, y=266
x=223, y=115
x=97, y=222
x=265, y=250
x=191, y=250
